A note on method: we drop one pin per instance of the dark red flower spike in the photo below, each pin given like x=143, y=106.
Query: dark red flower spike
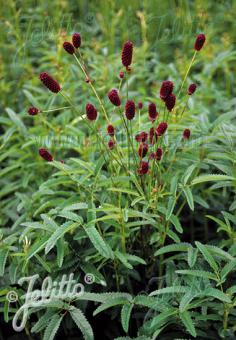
x=111, y=144
x=110, y=130
x=45, y=155
x=161, y=129
x=49, y=82
x=166, y=89
x=143, y=168
x=199, y=42
x=91, y=112
x=130, y=109
x=152, y=112
x=68, y=47
x=152, y=136
x=170, y=102
x=113, y=95
x=192, y=89
x=141, y=137
x=159, y=153
x=143, y=150
x=186, y=134
x=33, y=111
x=76, y=40
x=127, y=54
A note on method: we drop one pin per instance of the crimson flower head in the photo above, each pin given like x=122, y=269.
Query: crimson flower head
x=122, y=75
x=199, y=42
x=76, y=40
x=33, y=111
x=45, y=155
x=152, y=136
x=127, y=53
x=68, y=47
x=141, y=137
x=113, y=95
x=91, y=112
x=159, y=153
x=130, y=109
x=192, y=89
x=110, y=130
x=166, y=89
x=186, y=134
x=143, y=168
x=140, y=105
x=161, y=129
x=111, y=144
x=142, y=150
x=170, y=102
x=152, y=112
x=49, y=82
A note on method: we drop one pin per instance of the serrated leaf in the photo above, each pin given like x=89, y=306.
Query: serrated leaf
x=98, y=242
x=173, y=248
x=125, y=316
x=189, y=197
x=211, y=177
x=3, y=260
x=207, y=256
x=188, y=323
x=82, y=323
x=200, y=273
x=52, y=327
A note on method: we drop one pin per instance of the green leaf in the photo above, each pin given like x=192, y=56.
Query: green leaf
x=188, y=323
x=188, y=173
x=43, y=321
x=189, y=196
x=192, y=256
x=207, y=256
x=82, y=323
x=200, y=273
x=52, y=327
x=211, y=177
x=172, y=199
x=170, y=290
x=218, y=294
x=58, y=234
x=227, y=269
x=125, y=316
x=173, y=247
x=3, y=260
x=102, y=247
x=37, y=246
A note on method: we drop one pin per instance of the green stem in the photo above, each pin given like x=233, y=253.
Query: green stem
x=187, y=72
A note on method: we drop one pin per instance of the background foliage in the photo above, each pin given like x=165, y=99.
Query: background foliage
x=37, y=199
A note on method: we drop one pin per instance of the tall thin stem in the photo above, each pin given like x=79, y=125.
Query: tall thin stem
x=187, y=72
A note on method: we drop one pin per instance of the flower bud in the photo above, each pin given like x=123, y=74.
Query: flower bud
x=161, y=129
x=113, y=95
x=130, y=109
x=49, y=82
x=33, y=111
x=170, y=102
x=127, y=53
x=166, y=89
x=143, y=168
x=45, y=155
x=76, y=40
x=200, y=40
x=68, y=47
x=192, y=89
x=91, y=112
x=143, y=150
x=110, y=130
x=152, y=112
